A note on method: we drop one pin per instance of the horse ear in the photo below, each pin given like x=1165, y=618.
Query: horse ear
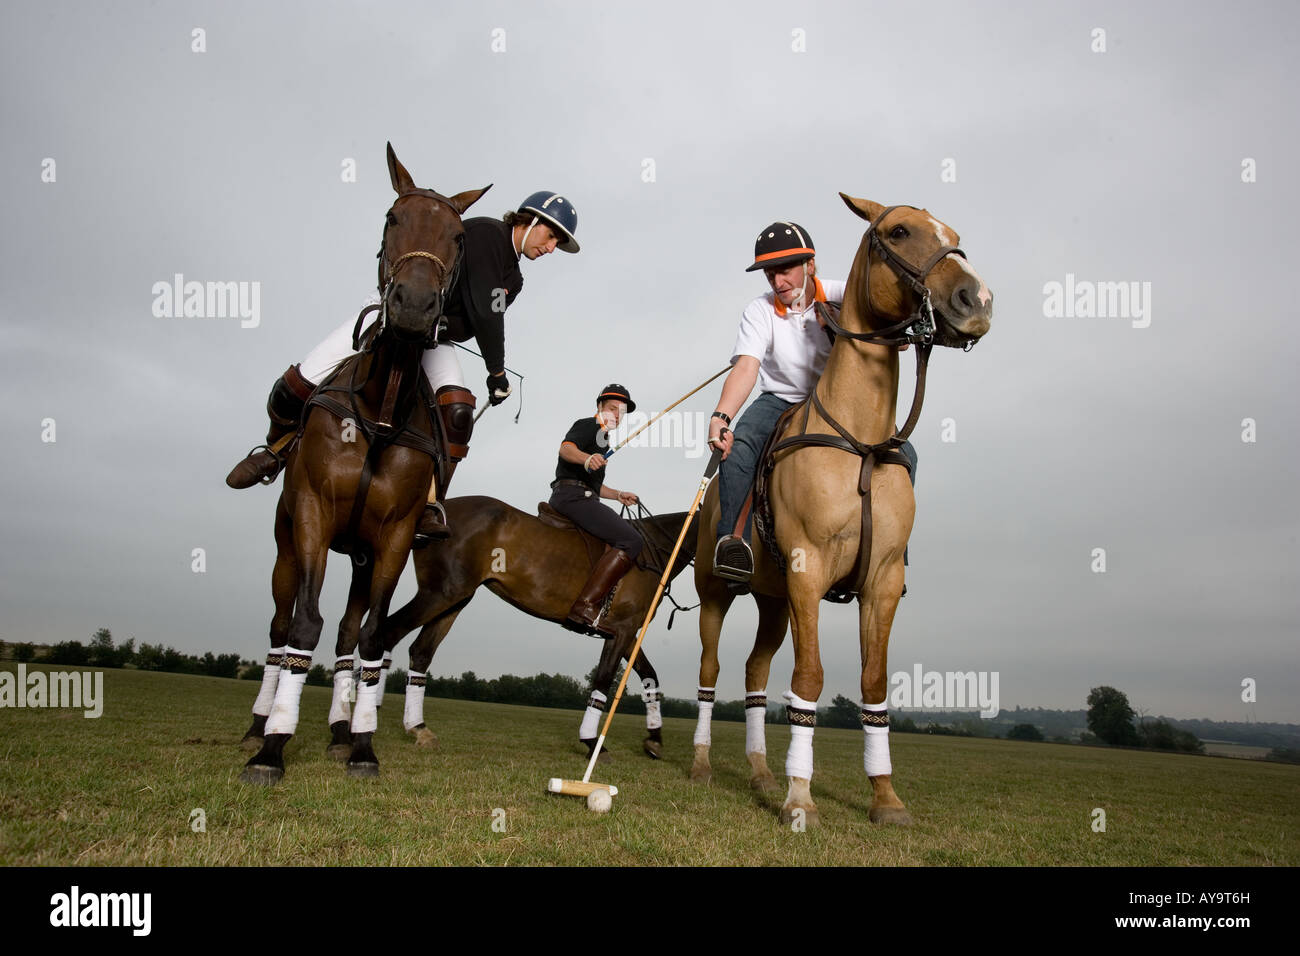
x=402, y=181
x=463, y=201
x=863, y=208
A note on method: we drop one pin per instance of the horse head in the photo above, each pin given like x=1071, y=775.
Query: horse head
x=420, y=253
x=907, y=260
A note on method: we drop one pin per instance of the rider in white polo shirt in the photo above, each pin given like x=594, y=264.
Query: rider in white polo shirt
x=782, y=347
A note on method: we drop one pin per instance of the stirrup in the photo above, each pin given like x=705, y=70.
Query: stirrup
x=421, y=539
x=732, y=572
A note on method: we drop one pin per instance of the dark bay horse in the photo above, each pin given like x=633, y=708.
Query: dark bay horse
x=357, y=477
x=539, y=568
x=824, y=494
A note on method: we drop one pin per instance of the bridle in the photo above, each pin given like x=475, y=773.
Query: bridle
x=388, y=271
x=919, y=327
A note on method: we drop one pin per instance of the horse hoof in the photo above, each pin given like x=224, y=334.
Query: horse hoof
x=261, y=776
x=764, y=783
x=898, y=816
x=363, y=770
x=426, y=738
x=252, y=744
x=339, y=751
x=605, y=756
x=701, y=775
x=653, y=748
x=808, y=816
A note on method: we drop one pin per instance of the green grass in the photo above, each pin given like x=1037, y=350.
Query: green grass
x=120, y=790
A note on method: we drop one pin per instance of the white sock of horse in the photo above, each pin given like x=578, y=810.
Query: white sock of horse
x=704, y=722
x=413, y=714
x=341, y=702
x=288, y=692
x=365, y=716
x=589, y=729
x=383, y=677
x=875, y=744
x=802, y=715
x=270, y=678
x=652, y=695
x=755, y=717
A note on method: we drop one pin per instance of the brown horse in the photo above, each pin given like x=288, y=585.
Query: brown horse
x=816, y=496
x=357, y=478
x=538, y=567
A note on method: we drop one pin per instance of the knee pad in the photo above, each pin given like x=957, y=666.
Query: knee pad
x=456, y=409
x=288, y=395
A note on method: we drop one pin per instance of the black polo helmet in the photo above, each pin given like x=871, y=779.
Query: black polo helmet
x=558, y=213
x=617, y=391
x=782, y=244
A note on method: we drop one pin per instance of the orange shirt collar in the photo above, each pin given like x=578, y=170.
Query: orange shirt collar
x=819, y=295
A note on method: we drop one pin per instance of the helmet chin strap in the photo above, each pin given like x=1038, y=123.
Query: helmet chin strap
x=524, y=240
x=797, y=302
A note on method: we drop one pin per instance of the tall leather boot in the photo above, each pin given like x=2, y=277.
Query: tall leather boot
x=284, y=406
x=454, y=406
x=611, y=567
x=433, y=523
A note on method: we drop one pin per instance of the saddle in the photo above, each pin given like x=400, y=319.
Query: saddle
x=847, y=588
x=595, y=547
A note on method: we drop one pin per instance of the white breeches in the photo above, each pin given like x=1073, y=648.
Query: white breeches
x=441, y=366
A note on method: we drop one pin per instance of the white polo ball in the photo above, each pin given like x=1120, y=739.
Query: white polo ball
x=599, y=801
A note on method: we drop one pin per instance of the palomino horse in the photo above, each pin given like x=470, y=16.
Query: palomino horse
x=357, y=479
x=842, y=516
x=538, y=567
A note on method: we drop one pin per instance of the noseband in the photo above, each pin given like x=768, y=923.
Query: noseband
x=919, y=327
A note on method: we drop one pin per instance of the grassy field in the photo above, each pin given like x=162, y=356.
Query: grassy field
x=121, y=790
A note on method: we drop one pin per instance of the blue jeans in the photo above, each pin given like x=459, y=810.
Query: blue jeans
x=736, y=474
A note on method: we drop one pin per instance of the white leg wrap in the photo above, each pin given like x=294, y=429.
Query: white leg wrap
x=799, y=758
x=704, y=722
x=875, y=745
x=284, y=712
x=652, y=694
x=413, y=714
x=365, y=716
x=591, y=716
x=270, y=678
x=341, y=703
x=755, y=717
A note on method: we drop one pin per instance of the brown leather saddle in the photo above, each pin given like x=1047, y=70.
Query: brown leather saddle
x=549, y=516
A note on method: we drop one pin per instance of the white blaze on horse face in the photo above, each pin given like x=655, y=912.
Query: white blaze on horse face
x=946, y=237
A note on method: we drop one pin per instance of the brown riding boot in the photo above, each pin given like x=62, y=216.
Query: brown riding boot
x=611, y=567
x=284, y=406
x=433, y=523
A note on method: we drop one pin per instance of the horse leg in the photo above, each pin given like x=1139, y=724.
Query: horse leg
x=340, y=719
x=426, y=645
x=388, y=564
x=611, y=653
x=284, y=579
x=773, y=619
x=266, y=767
x=876, y=620
x=653, y=693
x=715, y=599
x=805, y=688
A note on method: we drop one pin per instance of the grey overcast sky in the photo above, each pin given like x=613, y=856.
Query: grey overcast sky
x=1073, y=433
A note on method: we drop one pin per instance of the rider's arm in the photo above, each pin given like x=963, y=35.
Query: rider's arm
x=737, y=385
x=573, y=454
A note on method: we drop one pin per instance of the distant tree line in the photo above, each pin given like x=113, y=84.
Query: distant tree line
x=103, y=652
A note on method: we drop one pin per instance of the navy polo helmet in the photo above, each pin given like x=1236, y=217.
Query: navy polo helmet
x=558, y=213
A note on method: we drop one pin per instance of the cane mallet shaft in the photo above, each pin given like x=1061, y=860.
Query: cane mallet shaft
x=709, y=471
x=610, y=454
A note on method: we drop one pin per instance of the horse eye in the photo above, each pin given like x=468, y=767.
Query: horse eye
x=898, y=232
x=392, y=220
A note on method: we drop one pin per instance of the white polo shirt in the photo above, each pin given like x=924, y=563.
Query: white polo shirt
x=790, y=346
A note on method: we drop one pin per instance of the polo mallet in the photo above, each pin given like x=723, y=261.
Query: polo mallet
x=583, y=787
x=610, y=454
